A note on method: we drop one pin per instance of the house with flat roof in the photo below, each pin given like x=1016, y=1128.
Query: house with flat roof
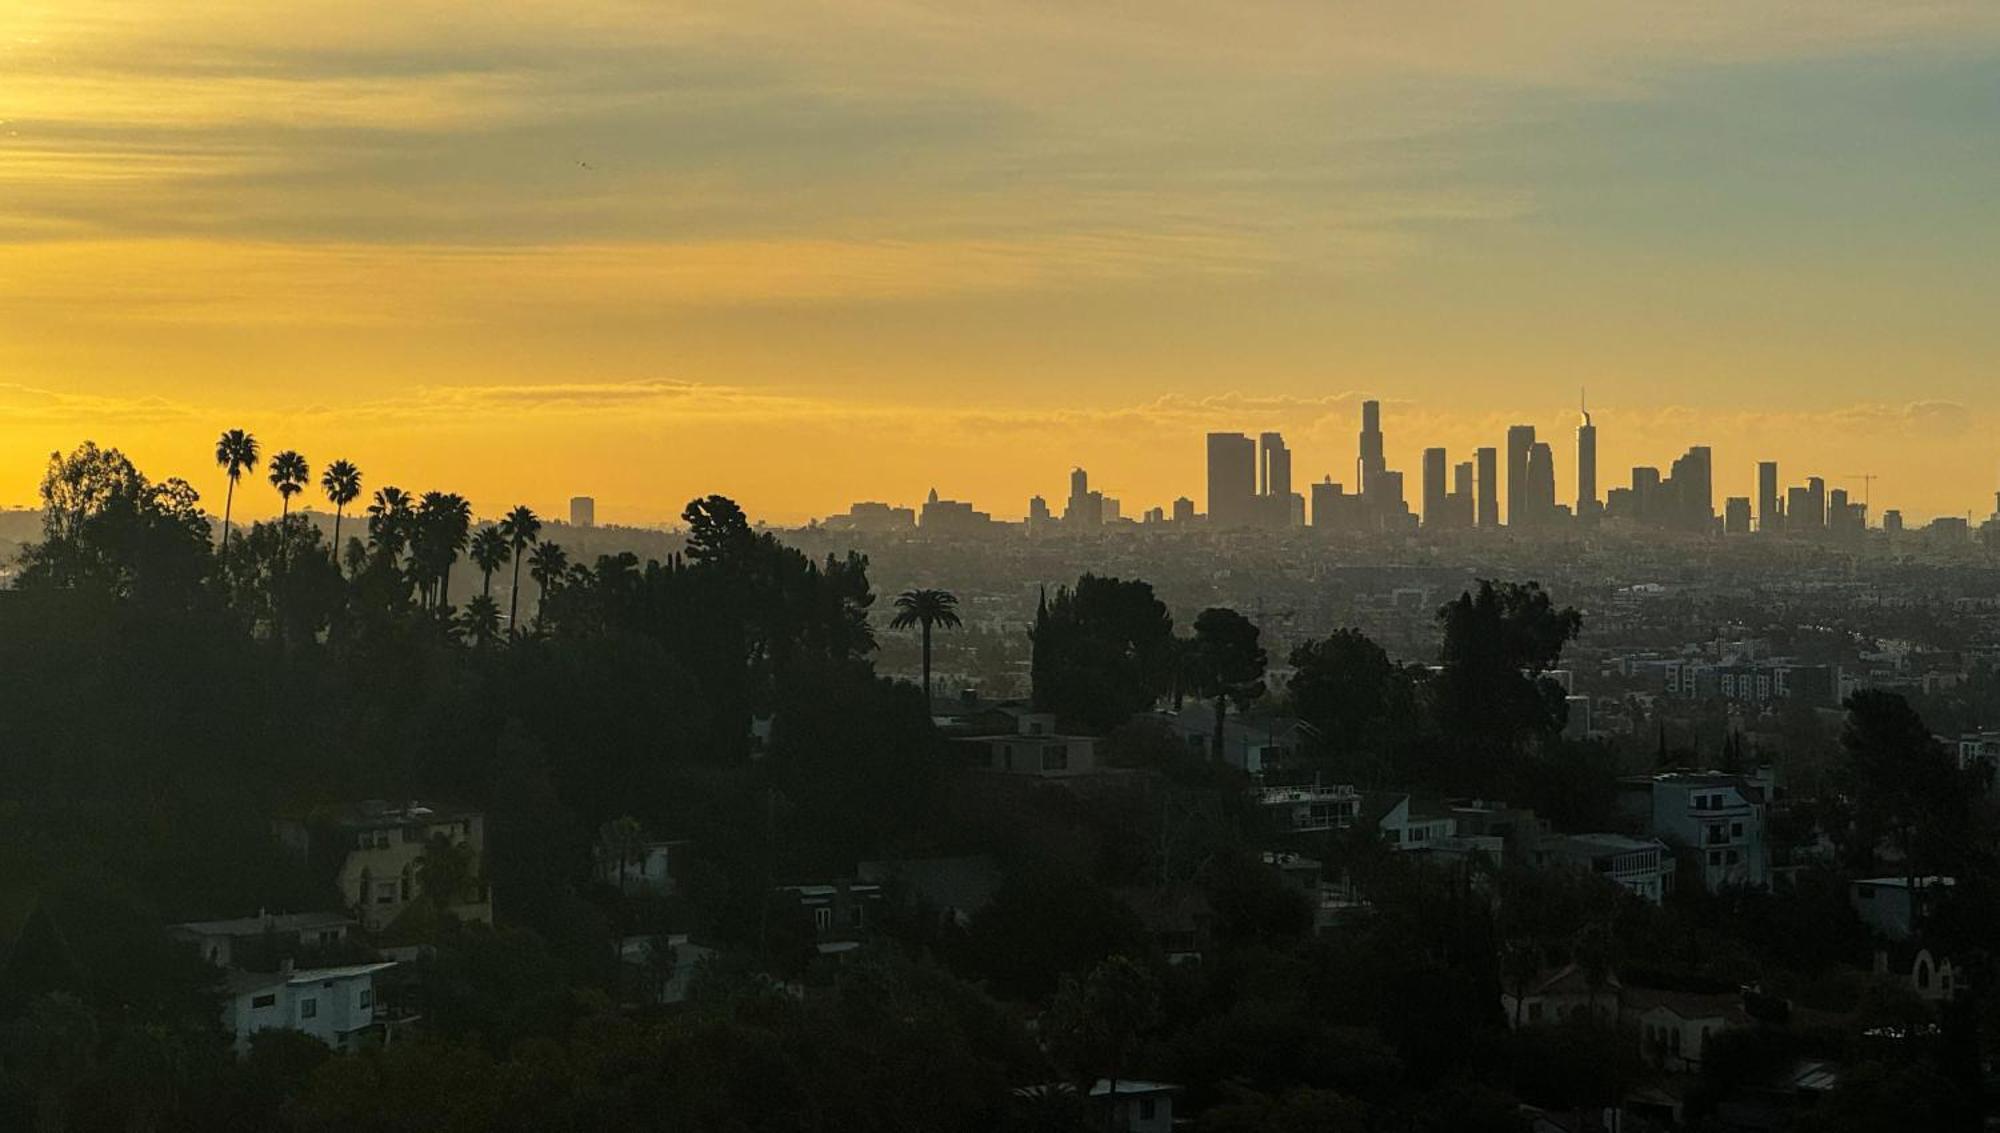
x=264, y=940
x=334, y=1005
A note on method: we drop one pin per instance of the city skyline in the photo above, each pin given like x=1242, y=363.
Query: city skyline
x=1304, y=465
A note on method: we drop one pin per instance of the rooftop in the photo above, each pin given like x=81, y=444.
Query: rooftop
x=273, y=922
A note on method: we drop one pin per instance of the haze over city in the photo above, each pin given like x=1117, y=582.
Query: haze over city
x=1170, y=566
x=807, y=256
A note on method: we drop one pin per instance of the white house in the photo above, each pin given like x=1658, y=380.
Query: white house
x=1037, y=749
x=1564, y=993
x=334, y=1005
x=1676, y=1027
x=1718, y=817
x=1135, y=1105
x=1405, y=825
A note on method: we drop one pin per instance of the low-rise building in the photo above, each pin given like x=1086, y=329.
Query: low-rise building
x=1310, y=809
x=335, y=1005
x=843, y=913
x=1568, y=992
x=1718, y=818
x=1892, y=907
x=378, y=851
x=1642, y=866
x=265, y=940
x=1037, y=749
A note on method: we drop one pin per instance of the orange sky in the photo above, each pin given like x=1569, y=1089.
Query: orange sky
x=806, y=253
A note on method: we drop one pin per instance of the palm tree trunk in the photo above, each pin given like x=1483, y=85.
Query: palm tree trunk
x=486, y=588
x=514, y=596
x=927, y=668
x=228, y=503
x=337, y=509
x=1221, y=712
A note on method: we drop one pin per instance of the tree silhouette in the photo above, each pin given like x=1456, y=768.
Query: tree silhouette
x=926, y=608
x=342, y=484
x=546, y=566
x=391, y=519
x=443, y=528
x=621, y=842
x=1228, y=664
x=521, y=526
x=479, y=622
x=290, y=475
x=447, y=872
x=1096, y=1024
x=489, y=551
x=236, y=454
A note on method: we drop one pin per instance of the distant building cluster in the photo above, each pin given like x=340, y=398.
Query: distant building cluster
x=1251, y=486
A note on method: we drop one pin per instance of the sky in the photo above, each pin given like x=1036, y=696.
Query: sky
x=804, y=254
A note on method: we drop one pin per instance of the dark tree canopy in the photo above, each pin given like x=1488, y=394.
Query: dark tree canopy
x=1102, y=651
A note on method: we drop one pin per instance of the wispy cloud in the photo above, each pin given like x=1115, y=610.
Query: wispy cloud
x=31, y=405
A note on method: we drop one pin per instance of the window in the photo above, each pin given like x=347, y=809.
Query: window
x=1146, y=1109
x=1715, y=857
x=258, y=1002
x=854, y=917
x=385, y=892
x=1923, y=976
x=1055, y=757
x=823, y=918
x=308, y=1008
x=1736, y=830
x=1733, y=857
x=365, y=998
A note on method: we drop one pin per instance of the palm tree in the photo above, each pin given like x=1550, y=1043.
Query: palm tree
x=521, y=526
x=926, y=608
x=480, y=620
x=489, y=550
x=235, y=453
x=342, y=484
x=546, y=565
x=444, y=526
x=390, y=517
x=290, y=476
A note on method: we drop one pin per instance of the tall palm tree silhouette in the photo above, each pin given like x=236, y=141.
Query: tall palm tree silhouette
x=926, y=608
x=390, y=518
x=520, y=527
x=545, y=565
x=235, y=453
x=290, y=475
x=489, y=550
x=444, y=526
x=342, y=484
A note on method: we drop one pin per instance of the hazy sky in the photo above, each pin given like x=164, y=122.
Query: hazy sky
x=809, y=253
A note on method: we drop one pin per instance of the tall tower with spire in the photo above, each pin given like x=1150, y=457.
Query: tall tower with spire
x=1586, y=465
